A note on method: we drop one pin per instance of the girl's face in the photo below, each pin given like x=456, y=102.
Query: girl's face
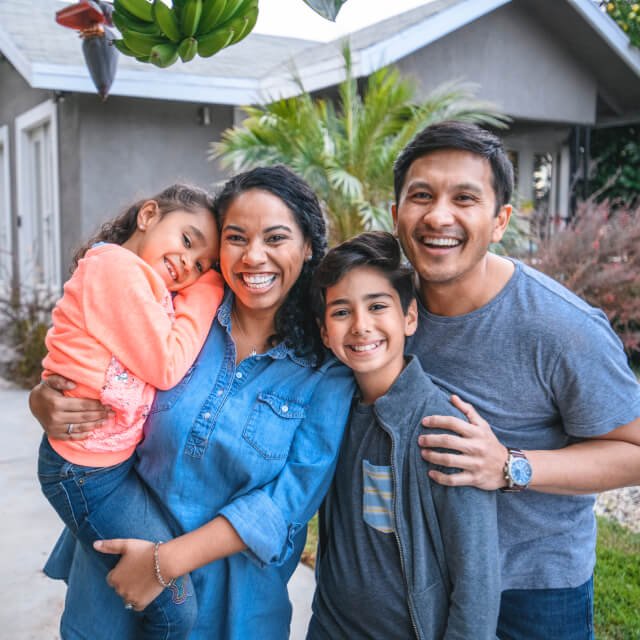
x=180, y=245
x=262, y=250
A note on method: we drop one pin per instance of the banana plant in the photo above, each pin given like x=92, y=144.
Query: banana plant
x=154, y=32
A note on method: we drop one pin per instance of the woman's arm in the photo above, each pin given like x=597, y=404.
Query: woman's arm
x=134, y=577
x=55, y=411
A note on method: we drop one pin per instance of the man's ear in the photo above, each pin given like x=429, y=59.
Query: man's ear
x=394, y=215
x=148, y=213
x=501, y=223
x=411, y=318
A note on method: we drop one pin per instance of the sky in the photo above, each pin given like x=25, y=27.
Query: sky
x=295, y=19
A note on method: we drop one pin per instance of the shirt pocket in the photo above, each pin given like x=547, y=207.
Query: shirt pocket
x=377, y=496
x=272, y=425
x=166, y=399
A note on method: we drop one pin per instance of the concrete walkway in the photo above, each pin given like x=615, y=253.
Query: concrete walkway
x=32, y=604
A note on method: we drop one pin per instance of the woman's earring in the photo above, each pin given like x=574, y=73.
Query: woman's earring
x=140, y=227
x=308, y=257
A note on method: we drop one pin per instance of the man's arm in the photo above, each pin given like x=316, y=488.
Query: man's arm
x=596, y=464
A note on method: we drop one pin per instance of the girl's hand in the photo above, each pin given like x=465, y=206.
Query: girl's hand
x=55, y=411
x=134, y=577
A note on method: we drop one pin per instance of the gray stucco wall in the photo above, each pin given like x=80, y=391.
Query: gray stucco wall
x=116, y=152
x=516, y=63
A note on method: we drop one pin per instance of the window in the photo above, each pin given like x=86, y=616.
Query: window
x=37, y=199
x=5, y=211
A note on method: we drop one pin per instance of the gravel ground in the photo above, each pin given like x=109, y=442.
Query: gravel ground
x=622, y=505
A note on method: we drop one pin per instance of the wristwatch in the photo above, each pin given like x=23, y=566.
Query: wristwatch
x=517, y=471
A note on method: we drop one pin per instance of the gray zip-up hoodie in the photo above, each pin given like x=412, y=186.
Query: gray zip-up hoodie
x=448, y=536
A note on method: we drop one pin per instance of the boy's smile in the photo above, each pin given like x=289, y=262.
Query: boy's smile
x=365, y=327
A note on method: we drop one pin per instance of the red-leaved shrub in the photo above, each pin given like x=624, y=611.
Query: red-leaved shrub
x=597, y=256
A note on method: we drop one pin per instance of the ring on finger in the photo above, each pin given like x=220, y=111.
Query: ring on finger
x=70, y=429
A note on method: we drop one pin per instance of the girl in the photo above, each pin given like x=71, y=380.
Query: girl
x=119, y=335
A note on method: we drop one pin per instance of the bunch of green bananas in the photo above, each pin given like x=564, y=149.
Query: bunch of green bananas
x=154, y=32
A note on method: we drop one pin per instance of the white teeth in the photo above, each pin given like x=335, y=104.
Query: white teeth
x=442, y=242
x=258, y=281
x=172, y=271
x=364, y=347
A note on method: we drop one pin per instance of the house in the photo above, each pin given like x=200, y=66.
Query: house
x=68, y=161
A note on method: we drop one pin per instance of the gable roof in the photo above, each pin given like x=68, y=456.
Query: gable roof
x=48, y=56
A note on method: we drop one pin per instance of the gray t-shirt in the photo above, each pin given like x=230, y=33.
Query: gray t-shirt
x=362, y=592
x=545, y=370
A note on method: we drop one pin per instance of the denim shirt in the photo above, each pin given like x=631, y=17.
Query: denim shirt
x=257, y=444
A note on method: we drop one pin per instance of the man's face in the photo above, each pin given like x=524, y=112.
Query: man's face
x=446, y=220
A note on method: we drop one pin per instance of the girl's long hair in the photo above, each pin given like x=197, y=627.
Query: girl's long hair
x=120, y=229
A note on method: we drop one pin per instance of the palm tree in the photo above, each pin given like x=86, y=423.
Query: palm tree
x=346, y=153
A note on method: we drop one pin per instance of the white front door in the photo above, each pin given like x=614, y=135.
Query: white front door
x=38, y=208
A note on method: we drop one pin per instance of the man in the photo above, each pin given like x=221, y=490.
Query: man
x=543, y=369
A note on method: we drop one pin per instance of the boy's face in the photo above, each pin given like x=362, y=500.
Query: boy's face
x=364, y=324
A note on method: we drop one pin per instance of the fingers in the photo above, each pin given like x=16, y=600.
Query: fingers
x=115, y=546
x=59, y=383
x=469, y=411
x=450, y=423
x=463, y=478
x=444, y=441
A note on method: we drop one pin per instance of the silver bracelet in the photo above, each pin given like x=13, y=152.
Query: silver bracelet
x=156, y=566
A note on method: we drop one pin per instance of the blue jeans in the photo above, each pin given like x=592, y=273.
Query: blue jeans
x=92, y=502
x=547, y=614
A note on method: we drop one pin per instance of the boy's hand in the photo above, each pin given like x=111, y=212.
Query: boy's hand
x=482, y=457
x=56, y=412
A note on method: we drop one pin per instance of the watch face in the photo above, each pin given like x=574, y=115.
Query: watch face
x=520, y=471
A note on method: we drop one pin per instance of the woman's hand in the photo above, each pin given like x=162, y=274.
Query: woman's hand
x=134, y=577
x=55, y=411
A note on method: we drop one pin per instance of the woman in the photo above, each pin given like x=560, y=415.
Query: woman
x=244, y=447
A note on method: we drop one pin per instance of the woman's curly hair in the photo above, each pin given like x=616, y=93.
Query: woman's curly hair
x=119, y=230
x=294, y=321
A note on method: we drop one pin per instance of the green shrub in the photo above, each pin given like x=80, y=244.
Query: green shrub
x=25, y=324
x=597, y=256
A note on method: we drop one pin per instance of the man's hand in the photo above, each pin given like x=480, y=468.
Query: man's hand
x=55, y=411
x=134, y=577
x=481, y=458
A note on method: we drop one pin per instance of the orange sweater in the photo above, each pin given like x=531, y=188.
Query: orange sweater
x=118, y=336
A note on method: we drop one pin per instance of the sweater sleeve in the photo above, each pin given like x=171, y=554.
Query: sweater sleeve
x=467, y=519
x=122, y=301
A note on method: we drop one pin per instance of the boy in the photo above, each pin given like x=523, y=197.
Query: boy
x=400, y=556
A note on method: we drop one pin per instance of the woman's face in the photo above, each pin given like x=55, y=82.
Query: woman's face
x=262, y=250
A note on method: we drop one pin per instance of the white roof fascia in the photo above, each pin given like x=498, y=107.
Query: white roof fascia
x=609, y=31
x=14, y=55
x=149, y=84
x=420, y=35
x=330, y=72
x=324, y=74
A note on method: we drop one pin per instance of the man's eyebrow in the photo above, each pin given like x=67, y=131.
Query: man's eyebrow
x=467, y=186
x=369, y=296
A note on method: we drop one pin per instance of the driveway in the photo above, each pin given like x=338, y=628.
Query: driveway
x=31, y=607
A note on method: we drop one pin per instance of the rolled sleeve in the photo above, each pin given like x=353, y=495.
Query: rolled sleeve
x=268, y=519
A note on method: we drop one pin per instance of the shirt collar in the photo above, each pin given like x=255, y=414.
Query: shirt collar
x=280, y=351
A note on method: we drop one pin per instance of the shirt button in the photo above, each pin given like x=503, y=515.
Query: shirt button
x=239, y=375
x=207, y=415
x=219, y=392
x=284, y=408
